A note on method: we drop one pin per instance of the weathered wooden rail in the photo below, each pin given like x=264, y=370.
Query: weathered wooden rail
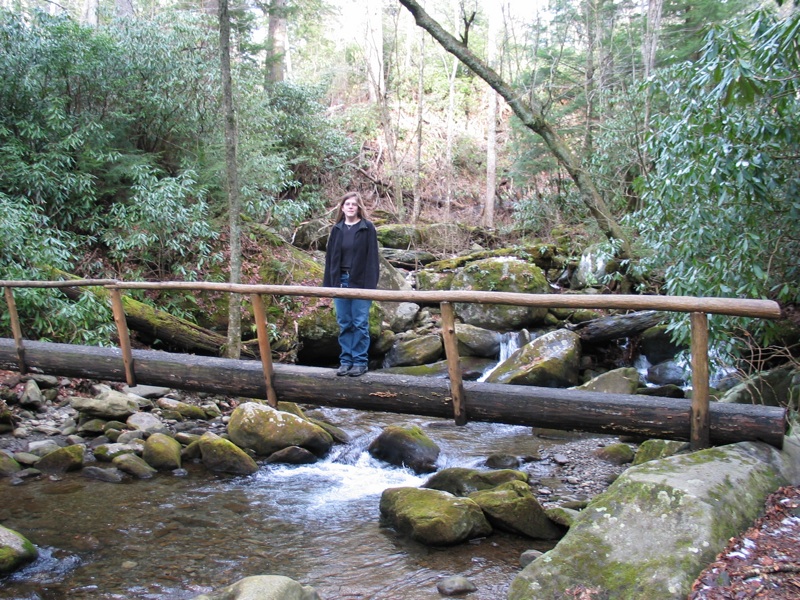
x=699, y=421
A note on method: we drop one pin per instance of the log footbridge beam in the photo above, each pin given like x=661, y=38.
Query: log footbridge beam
x=699, y=421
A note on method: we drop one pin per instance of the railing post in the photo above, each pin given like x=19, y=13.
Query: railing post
x=124, y=336
x=264, y=349
x=453, y=363
x=16, y=329
x=699, y=436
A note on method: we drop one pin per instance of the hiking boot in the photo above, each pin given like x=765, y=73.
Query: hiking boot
x=357, y=370
x=343, y=370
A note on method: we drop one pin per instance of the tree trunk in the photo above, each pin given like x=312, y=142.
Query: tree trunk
x=533, y=118
x=124, y=8
x=654, y=11
x=374, y=50
x=491, y=125
x=276, y=42
x=417, y=208
x=612, y=414
x=234, y=343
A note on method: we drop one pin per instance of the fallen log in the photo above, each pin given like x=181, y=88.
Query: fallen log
x=617, y=327
x=615, y=414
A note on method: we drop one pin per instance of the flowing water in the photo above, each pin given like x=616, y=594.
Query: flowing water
x=179, y=536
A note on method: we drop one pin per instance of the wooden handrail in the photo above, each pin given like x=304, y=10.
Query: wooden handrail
x=698, y=307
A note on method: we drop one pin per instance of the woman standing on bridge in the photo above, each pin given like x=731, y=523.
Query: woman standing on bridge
x=351, y=261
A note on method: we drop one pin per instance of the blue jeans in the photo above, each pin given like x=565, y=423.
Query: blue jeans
x=352, y=315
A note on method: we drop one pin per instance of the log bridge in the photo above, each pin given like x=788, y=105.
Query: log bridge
x=698, y=421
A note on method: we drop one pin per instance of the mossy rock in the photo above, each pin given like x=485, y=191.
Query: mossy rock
x=501, y=275
x=512, y=507
x=399, y=236
x=15, y=550
x=462, y=481
x=618, y=454
x=657, y=449
x=406, y=446
x=551, y=360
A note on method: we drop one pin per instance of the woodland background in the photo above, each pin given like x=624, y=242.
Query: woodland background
x=153, y=140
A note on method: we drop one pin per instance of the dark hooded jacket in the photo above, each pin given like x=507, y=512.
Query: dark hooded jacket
x=364, y=270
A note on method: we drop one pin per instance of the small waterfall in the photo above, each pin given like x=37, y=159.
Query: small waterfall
x=510, y=342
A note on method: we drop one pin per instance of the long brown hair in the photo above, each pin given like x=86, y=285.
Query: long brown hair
x=362, y=209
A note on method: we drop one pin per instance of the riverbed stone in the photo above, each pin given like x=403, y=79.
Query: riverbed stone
x=432, y=517
x=108, y=452
x=266, y=430
x=147, y=422
x=134, y=465
x=8, y=465
x=223, y=456
x=405, y=446
x=185, y=410
x=618, y=454
x=112, y=475
x=512, y=507
x=32, y=396
x=677, y=512
x=263, y=587
x=456, y=585
x=108, y=405
x=618, y=381
x=477, y=341
x=551, y=360
x=15, y=550
x=69, y=458
x=501, y=274
x=42, y=447
x=462, y=481
x=162, y=452
x=293, y=455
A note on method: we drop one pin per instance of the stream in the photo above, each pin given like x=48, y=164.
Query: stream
x=178, y=536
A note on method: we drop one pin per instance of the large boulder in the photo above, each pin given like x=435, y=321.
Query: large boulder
x=263, y=587
x=265, y=430
x=778, y=387
x=512, y=507
x=406, y=447
x=551, y=360
x=657, y=526
x=477, y=341
x=502, y=274
x=414, y=350
x=618, y=381
x=461, y=481
x=223, y=456
x=15, y=550
x=432, y=517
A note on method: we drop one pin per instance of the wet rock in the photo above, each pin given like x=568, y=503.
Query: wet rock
x=528, y=557
x=562, y=515
x=108, y=452
x=618, y=381
x=223, y=456
x=406, y=446
x=266, y=430
x=92, y=427
x=263, y=587
x=126, y=437
x=667, y=373
x=293, y=455
x=15, y=550
x=146, y=391
x=477, y=341
x=548, y=361
x=103, y=474
x=26, y=458
x=134, y=465
x=461, y=481
x=502, y=461
x=512, y=507
x=433, y=517
x=777, y=387
x=8, y=465
x=455, y=586
x=657, y=346
x=62, y=460
x=414, y=350
x=162, y=452
x=41, y=448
